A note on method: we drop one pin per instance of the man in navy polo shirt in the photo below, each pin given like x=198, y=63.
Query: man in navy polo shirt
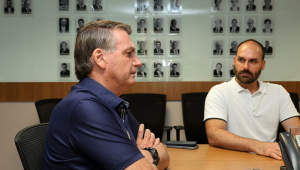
x=92, y=128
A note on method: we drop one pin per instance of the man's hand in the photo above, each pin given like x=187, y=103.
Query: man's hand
x=268, y=149
x=148, y=140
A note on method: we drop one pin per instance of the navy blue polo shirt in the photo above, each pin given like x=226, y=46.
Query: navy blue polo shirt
x=86, y=132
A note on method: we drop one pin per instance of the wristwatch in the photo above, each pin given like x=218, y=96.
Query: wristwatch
x=154, y=154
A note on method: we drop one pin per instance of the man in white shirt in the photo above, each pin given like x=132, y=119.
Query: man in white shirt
x=158, y=72
x=64, y=26
x=218, y=26
x=243, y=114
x=234, y=28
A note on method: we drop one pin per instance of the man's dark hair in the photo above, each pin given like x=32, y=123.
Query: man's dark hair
x=142, y=20
x=267, y=20
x=233, y=20
x=63, y=43
x=173, y=20
x=64, y=64
x=93, y=35
x=157, y=42
x=218, y=64
x=80, y=20
x=174, y=64
x=261, y=46
x=267, y=41
x=158, y=64
x=216, y=1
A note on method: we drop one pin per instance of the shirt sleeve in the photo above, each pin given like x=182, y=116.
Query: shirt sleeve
x=215, y=105
x=97, y=134
x=287, y=107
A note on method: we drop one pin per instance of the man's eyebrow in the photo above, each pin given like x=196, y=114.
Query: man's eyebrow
x=130, y=48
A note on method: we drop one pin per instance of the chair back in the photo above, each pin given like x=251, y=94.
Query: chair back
x=193, y=115
x=45, y=107
x=295, y=100
x=30, y=143
x=149, y=109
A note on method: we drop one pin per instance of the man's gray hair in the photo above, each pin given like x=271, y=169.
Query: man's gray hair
x=93, y=35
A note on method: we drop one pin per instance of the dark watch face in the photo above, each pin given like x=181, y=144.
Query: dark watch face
x=154, y=154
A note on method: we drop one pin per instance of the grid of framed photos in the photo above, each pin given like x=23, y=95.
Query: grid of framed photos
x=158, y=33
x=71, y=16
x=232, y=22
x=11, y=8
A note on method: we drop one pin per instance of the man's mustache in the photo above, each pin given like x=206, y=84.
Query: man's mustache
x=246, y=71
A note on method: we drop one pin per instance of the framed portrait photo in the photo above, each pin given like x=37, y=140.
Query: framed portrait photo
x=175, y=25
x=26, y=7
x=143, y=71
x=218, y=68
x=174, y=6
x=142, y=26
x=63, y=5
x=9, y=8
x=142, y=47
x=141, y=6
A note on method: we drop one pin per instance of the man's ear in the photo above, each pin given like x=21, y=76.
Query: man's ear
x=98, y=58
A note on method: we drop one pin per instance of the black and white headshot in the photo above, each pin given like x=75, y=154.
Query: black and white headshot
x=174, y=67
x=158, y=5
x=267, y=26
x=97, y=5
x=217, y=5
x=65, y=72
x=63, y=5
x=63, y=25
x=141, y=71
x=218, y=70
x=174, y=5
x=142, y=48
x=267, y=6
x=174, y=27
x=234, y=26
x=142, y=5
x=218, y=26
x=234, y=44
x=26, y=7
x=141, y=25
x=158, y=48
x=64, y=50
x=174, y=50
x=251, y=28
x=158, y=70
x=80, y=23
x=218, y=48
x=158, y=25
x=251, y=6
x=80, y=6
x=268, y=48
x=231, y=71
x=234, y=5
x=9, y=7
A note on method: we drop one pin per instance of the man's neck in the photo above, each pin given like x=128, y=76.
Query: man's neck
x=253, y=87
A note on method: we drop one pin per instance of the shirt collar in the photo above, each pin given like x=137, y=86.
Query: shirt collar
x=262, y=87
x=100, y=91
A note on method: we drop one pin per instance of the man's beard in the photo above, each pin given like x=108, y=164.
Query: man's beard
x=250, y=79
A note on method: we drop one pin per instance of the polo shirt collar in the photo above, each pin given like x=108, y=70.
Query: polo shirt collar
x=100, y=91
x=262, y=87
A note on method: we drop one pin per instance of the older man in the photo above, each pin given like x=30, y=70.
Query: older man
x=26, y=8
x=243, y=114
x=92, y=127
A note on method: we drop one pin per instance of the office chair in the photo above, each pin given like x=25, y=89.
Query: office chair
x=193, y=115
x=44, y=108
x=30, y=143
x=150, y=109
x=295, y=99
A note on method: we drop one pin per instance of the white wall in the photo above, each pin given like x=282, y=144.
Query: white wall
x=29, y=45
x=15, y=116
